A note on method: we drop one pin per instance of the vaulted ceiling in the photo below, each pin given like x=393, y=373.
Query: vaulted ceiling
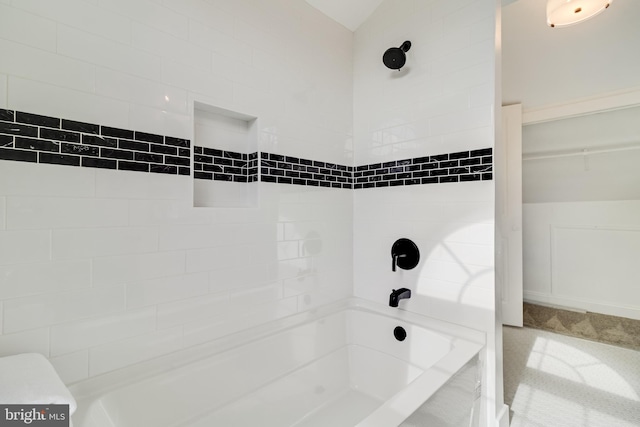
x=350, y=13
x=542, y=65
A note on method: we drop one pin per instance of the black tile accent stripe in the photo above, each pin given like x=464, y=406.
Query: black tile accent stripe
x=133, y=166
x=18, y=155
x=7, y=115
x=293, y=170
x=58, y=159
x=27, y=137
x=80, y=127
x=463, y=166
x=84, y=150
x=18, y=129
x=37, y=144
x=6, y=141
x=91, y=162
x=99, y=140
x=35, y=119
x=230, y=166
x=149, y=137
x=115, y=132
x=59, y=135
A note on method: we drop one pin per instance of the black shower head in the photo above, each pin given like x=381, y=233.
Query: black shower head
x=395, y=57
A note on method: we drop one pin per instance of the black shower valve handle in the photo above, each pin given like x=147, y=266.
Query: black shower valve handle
x=404, y=254
x=394, y=260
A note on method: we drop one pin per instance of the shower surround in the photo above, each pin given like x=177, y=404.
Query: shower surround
x=102, y=268
x=441, y=101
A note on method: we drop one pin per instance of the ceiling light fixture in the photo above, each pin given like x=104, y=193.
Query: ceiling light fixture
x=562, y=13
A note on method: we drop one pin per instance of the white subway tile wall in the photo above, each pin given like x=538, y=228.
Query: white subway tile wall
x=25, y=213
x=114, y=355
x=24, y=247
x=3, y=90
x=442, y=101
x=81, y=15
x=103, y=268
x=82, y=334
x=72, y=367
x=50, y=309
x=3, y=213
x=172, y=288
x=118, y=270
x=26, y=28
x=89, y=272
x=31, y=341
x=20, y=280
x=94, y=242
x=143, y=186
x=26, y=62
x=191, y=310
x=141, y=91
x=27, y=94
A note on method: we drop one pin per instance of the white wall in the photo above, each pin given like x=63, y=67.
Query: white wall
x=441, y=102
x=99, y=268
x=583, y=255
x=136, y=64
x=580, y=147
x=581, y=213
x=547, y=66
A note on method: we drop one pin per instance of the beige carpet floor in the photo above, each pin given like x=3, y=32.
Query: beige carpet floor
x=553, y=380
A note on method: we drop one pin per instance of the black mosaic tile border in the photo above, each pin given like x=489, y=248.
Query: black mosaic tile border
x=462, y=166
x=293, y=170
x=27, y=137
x=219, y=165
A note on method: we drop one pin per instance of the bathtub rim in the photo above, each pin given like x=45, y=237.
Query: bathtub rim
x=467, y=343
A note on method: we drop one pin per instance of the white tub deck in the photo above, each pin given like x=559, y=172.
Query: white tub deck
x=338, y=366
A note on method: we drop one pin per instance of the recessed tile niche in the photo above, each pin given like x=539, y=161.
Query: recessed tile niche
x=225, y=158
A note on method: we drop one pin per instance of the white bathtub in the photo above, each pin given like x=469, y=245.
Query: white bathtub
x=337, y=366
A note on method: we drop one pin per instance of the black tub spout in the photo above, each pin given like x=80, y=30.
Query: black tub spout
x=397, y=295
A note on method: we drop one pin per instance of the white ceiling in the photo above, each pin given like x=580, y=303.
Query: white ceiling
x=542, y=65
x=545, y=66
x=352, y=13
x=349, y=13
